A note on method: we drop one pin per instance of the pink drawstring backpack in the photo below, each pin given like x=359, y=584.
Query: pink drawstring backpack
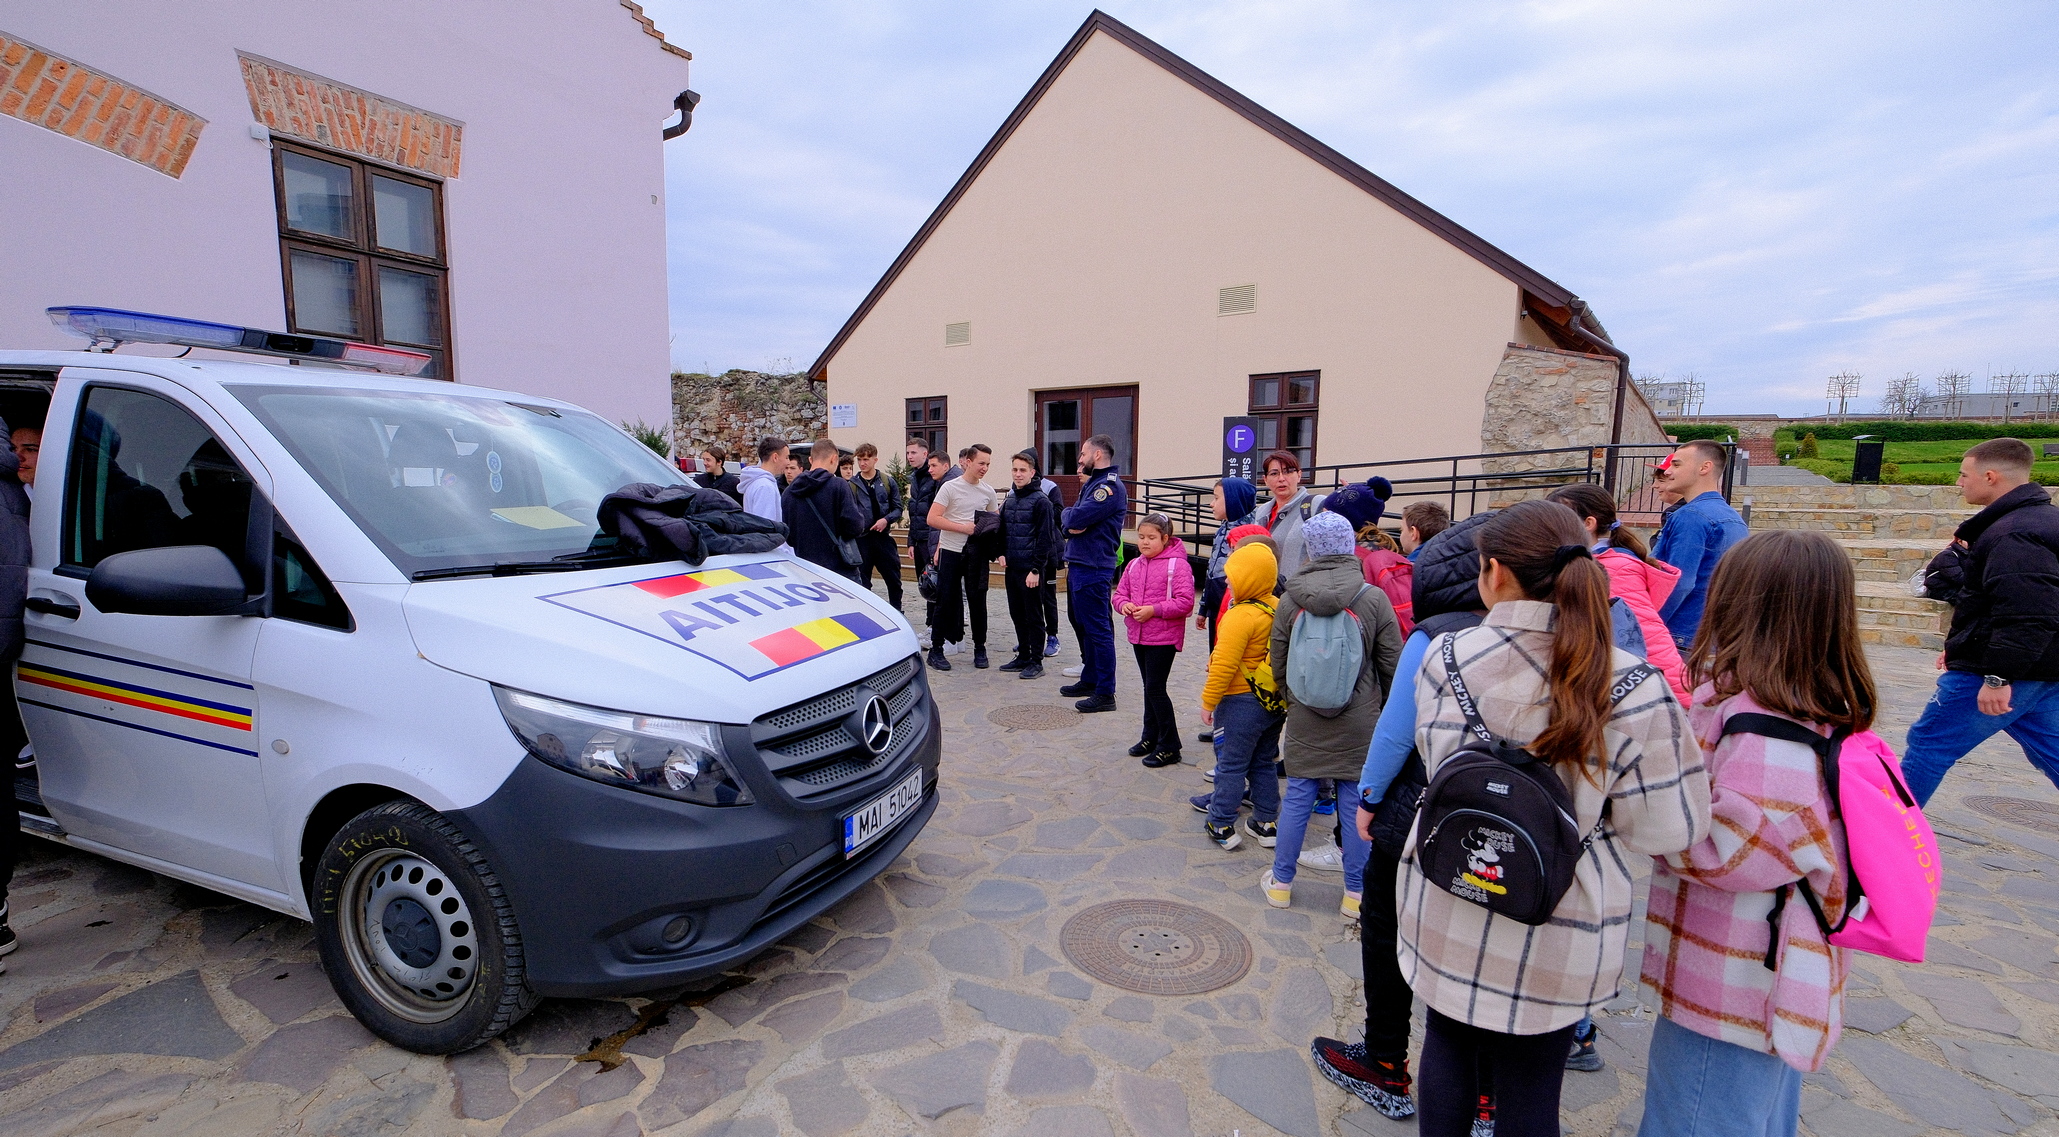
x=1891, y=853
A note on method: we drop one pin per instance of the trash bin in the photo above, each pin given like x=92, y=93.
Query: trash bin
x=1866, y=461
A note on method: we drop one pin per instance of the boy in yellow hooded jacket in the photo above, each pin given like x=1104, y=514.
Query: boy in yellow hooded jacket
x=1251, y=734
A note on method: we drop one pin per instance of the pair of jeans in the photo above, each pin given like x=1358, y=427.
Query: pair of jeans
x=961, y=585
x=1388, y=997
x=1952, y=725
x=1295, y=811
x=1026, y=611
x=1697, y=1086
x=1527, y=1072
x=1250, y=744
x=879, y=551
x=1161, y=729
x=1087, y=593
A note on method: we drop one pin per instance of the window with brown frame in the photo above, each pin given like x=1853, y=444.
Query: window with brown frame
x=362, y=250
x=929, y=420
x=1284, y=407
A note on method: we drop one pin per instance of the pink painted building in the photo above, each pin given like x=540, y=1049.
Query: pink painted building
x=485, y=183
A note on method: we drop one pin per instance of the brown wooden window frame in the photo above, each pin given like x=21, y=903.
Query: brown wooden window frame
x=362, y=249
x=934, y=429
x=1284, y=408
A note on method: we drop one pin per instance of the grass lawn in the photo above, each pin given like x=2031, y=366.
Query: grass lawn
x=1940, y=459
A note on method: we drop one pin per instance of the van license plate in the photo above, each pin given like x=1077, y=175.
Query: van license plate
x=876, y=817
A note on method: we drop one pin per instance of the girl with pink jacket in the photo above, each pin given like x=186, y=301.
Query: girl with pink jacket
x=1635, y=578
x=1155, y=596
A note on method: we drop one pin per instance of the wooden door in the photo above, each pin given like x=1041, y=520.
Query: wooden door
x=1066, y=419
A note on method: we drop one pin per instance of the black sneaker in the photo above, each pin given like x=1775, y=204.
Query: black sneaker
x=1266, y=833
x=1162, y=758
x=979, y=657
x=1033, y=671
x=1140, y=749
x=1382, y=1085
x=1205, y=736
x=937, y=660
x=1225, y=836
x=1075, y=690
x=1584, y=1057
x=8, y=941
x=1095, y=703
x=1016, y=664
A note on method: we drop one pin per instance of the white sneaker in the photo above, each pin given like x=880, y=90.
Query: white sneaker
x=1326, y=858
x=922, y=639
x=950, y=647
x=1074, y=672
x=1208, y=775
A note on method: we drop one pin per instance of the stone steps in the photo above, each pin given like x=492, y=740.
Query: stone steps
x=1888, y=614
x=1888, y=497
x=1889, y=532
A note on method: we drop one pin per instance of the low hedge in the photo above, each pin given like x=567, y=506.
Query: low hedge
x=1689, y=431
x=1906, y=431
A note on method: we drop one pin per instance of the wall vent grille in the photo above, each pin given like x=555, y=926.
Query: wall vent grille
x=1236, y=300
x=958, y=334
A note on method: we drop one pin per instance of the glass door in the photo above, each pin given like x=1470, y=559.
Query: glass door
x=1066, y=419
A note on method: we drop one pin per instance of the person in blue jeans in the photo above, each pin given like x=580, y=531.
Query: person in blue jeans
x=1093, y=532
x=2001, y=657
x=1250, y=733
x=1696, y=535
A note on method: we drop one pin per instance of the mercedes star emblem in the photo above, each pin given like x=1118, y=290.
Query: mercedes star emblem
x=876, y=726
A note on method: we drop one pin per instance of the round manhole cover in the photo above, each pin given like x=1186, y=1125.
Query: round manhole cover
x=2022, y=811
x=1033, y=716
x=1156, y=947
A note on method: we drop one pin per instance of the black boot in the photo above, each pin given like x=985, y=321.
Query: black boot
x=937, y=660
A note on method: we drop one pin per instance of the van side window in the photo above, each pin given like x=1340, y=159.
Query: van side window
x=144, y=473
x=300, y=591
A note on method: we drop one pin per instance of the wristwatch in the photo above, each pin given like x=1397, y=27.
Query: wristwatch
x=1994, y=681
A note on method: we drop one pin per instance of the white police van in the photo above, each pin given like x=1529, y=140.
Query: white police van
x=341, y=644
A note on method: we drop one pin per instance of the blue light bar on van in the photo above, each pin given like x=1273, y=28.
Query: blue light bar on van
x=117, y=326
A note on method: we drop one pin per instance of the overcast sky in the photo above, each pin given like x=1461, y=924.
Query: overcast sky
x=1761, y=194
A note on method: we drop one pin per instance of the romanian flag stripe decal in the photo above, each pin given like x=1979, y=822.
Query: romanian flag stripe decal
x=670, y=586
x=145, y=698
x=139, y=726
x=815, y=637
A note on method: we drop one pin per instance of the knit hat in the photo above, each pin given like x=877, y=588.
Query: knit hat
x=1328, y=534
x=1238, y=497
x=1243, y=531
x=1361, y=503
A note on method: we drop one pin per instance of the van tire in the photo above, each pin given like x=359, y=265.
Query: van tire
x=414, y=840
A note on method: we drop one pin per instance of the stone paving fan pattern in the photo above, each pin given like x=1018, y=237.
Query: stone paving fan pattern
x=940, y=1000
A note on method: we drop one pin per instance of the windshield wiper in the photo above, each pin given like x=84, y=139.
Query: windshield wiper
x=572, y=562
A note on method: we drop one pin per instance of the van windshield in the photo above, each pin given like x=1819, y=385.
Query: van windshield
x=441, y=482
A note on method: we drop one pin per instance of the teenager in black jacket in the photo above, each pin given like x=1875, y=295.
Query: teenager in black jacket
x=821, y=511
x=1027, y=529
x=879, y=501
x=2001, y=658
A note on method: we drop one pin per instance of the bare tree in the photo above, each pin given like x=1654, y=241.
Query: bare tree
x=2009, y=384
x=1952, y=387
x=2047, y=387
x=1902, y=397
x=1843, y=387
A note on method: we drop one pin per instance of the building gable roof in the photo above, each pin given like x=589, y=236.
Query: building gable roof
x=1541, y=290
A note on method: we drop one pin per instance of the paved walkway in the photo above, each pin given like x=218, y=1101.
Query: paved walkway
x=938, y=1000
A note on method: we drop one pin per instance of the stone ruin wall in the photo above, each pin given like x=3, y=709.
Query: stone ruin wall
x=737, y=408
x=1542, y=399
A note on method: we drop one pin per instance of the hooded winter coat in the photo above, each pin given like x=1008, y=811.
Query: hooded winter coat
x=820, y=508
x=1643, y=588
x=1166, y=584
x=1318, y=747
x=1243, y=634
x=1447, y=577
x=761, y=493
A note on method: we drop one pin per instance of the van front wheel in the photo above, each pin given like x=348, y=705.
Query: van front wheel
x=416, y=932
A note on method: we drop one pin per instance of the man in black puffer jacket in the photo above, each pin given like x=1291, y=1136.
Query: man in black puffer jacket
x=2001, y=658
x=1029, y=528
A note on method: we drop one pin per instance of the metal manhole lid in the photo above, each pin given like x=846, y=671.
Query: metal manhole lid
x=1156, y=947
x=2023, y=811
x=1033, y=716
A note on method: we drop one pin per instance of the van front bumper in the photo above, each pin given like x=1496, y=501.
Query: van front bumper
x=601, y=876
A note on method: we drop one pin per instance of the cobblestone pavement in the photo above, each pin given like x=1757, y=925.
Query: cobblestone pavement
x=938, y=1000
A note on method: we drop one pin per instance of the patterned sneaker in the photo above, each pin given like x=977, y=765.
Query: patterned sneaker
x=1350, y=906
x=1267, y=833
x=1382, y=1085
x=1583, y=1057
x=1483, y=1117
x=1225, y=836
x=1050, y=646
x=1323, y=858
x=1200, y=802
x=1276, y=894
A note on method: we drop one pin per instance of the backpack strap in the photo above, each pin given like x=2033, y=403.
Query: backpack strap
x=1618, y=691
x=1826, y=748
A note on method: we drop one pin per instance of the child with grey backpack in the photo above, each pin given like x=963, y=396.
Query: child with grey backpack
x=1334, y=646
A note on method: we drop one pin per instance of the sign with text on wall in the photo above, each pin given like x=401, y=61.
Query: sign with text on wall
x=843, y=416
x=1240, y=448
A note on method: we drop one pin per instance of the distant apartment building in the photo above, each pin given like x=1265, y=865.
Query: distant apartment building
x=1141, y=251
x=482, y=183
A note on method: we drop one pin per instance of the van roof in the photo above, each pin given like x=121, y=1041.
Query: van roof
x=248, y=372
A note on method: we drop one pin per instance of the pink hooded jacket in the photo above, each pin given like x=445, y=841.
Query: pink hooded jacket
x=1166, y=583
x=1644, y=588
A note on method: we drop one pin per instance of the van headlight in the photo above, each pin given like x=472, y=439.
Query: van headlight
x=677, y=758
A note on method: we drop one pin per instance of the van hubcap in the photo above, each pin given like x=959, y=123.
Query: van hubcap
x=409, y=935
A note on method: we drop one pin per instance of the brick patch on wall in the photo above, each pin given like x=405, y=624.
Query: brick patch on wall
x=341, y=117
x=66, y=96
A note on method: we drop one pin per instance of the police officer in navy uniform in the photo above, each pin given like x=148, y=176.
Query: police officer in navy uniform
x=1093, y=530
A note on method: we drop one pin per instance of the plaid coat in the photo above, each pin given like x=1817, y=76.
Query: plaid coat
x=1705, y=931
x=1495, y=973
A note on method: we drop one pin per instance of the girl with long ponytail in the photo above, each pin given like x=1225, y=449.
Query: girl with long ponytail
x=1639, y=580
x=1503, y=997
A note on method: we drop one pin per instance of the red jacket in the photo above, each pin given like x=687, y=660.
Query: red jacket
x=1644, y=586
x=1394, y=575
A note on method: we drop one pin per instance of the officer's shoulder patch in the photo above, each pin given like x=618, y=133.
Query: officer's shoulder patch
x=1101, y=494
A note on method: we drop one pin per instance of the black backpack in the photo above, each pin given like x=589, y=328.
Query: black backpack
x=1497, y=822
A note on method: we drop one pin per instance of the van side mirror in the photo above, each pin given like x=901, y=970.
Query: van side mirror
x=178, y=580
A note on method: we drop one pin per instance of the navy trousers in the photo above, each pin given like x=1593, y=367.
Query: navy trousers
x=1087, y=592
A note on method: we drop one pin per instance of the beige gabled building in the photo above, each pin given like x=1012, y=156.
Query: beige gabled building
x=1142, y=251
